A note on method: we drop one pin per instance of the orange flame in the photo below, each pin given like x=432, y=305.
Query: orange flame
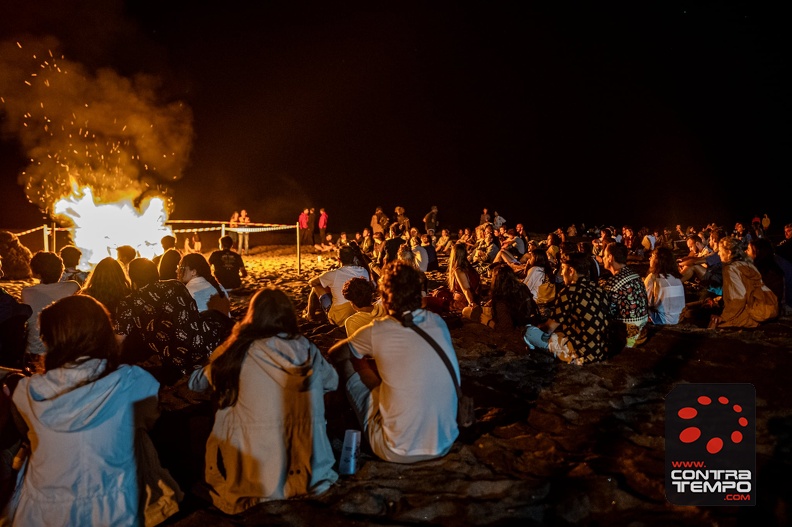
x=98, y=229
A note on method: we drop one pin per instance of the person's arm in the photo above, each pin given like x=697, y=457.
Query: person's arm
x=464, y=284
x=317, y=286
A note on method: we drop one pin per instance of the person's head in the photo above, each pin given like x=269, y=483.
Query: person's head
x=504, y=280
x=415, y=241
x=538, y=258
x=575, y=266
x=77, y=328
x=142, y=272
x=400, y=287
x=169, y=242
x=366, y=232
x=663, y=262
x=194, y=265
x=788, y=231
x=360, y=292
x=379, y=237
x=426, y=239
x=694, y=243
x=243, y=213
x=399, y=210
x=586, y=247
x=730, y=249
x=615, y=255
x=270, y=314
x=226, y=242
x=760, y=250
x=125, y=254
x=445, y=232
x=48, y=266
x=553, y=239
x=346, y=255
x=405, y=254
x=458, y=258
x=70, y=255
x=235, y=215
x=715, y=235
x=606, y=234
x=305, y=210
x=107, y=283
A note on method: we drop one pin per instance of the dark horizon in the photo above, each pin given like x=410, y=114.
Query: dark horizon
x=607, y=115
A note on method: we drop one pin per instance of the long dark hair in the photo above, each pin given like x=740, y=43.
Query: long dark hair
x=508, y=289
x=108, y=284
x=197, y=262
x=270, y=313
x=75, y=329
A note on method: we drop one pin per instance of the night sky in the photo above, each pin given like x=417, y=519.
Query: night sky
x=602, y=113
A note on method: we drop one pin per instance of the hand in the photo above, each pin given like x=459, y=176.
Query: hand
x=219, y=303
x=715, y=320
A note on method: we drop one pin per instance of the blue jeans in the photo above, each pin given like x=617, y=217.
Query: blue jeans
x=536, y=338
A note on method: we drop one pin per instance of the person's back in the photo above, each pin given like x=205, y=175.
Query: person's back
x=227, y=265
x=269, y=439
x=48, y=267
x=664, y=289
x=85, y=417
x=411, y=416
x=168, y=264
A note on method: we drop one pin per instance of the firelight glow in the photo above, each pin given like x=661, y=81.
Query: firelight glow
x=98, y=229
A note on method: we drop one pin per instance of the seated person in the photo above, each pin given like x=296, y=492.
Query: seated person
x=327, y=288
x=161, y=317
x=227, y=265
x=410, y=415
x=664, y=289
x=71, y=259
x=509, y=307
x=194, y=272
x=269, y=439
x=361, y=294
x=629, y=305
x=444, y=242
x=48, y=268
x=577, y=331
x=86, y=416
x=426, y=243
x=13, y=317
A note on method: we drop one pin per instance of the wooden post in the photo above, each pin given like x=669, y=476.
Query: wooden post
x=45, y=230
x=54, y=240
x=299, y=262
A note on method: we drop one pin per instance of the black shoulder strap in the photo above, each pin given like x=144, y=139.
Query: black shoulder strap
x=407, y=321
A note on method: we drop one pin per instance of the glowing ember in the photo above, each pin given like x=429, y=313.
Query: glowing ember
x=99, y=228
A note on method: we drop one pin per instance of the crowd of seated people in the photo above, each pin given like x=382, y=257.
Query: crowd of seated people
x=181, y=328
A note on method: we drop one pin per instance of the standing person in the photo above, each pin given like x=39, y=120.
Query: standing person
x=379, y=222
x=48, y=268
x=430, y=221
x=192, y=243
x=227, y=265
x=664, y=290
x=485, y=217
x=85, y=417
x=244, y=237
x=304, y=222
x=498, y=221
x=577, y=331
x=402, y=220
x=629, y=305
x=269, y=438
x=408, y=408
x=311, y=226
x=322, y=224
x=233, y=224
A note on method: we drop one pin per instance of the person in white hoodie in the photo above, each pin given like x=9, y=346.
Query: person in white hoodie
x=269, y=439
x=84, y=418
